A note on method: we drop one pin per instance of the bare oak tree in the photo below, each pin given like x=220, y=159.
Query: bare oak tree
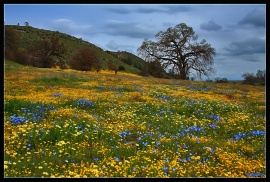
x=178, y=48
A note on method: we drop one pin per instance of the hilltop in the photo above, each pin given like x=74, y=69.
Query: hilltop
x=29, y=35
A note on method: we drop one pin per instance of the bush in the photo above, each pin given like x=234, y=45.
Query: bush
x=111, y=66
x=122, y=68
x=221, y=80
x=21, y=56
x=144, y=71
x=84, y=59
x=11, y=42
x=251, y=79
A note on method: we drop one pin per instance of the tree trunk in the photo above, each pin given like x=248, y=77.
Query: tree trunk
x=183, y=73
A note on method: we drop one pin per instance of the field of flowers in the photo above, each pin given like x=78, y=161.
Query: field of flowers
x=67, y=123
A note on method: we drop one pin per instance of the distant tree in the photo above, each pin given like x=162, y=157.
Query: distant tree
x=261, y=76
x=144, y=71
x=127, y=60
x=258, y=79
x=112, y=66
x=11, y=42
x=155, y=69
x=26, y=24
x=121, y=68
x=178, y=46
x=139, y=66
x=22, y=56
x=135, y=65
x=43, y=53
x=209, y=80
x=97, y=65
x=221, y=80
x=18, y=24
x=84, y=59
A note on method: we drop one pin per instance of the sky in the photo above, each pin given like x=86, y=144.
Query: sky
x=236, y=31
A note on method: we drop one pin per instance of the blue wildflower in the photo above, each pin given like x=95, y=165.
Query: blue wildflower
x=17, y=120
x=84, y=102
x=58, y=94
x=157, y=143
x=255, y=174
x=214, y=117
x=145, y=143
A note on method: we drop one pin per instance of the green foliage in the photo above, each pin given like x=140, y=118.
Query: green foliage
x=122, y=68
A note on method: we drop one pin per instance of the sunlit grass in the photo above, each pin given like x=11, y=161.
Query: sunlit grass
x=66, y=123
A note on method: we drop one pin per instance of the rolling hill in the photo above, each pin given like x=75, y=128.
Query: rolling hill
x=29, y=35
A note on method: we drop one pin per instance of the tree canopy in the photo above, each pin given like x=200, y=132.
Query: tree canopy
x=85, y=59
x=178, y=49
x=44, y=51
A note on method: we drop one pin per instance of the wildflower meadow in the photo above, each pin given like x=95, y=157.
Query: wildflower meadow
x=67, y=123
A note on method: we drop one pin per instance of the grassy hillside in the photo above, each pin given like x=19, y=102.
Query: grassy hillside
x=29, y=35
x=128, y=58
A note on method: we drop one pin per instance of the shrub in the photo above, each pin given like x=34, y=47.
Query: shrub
x=122, y=68
x=111, y=66
x=11, y=42
x=250, y=78
x=84, y=59
x=21, y=56
x=221, y=80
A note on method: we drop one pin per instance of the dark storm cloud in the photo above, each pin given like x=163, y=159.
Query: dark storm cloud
x=250, y=46
x=148, y=9
x=256, y=18
x=133, y=30
x=210, y=26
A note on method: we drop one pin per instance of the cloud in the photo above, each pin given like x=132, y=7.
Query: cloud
x=69, y=27
x=148, y=9
x=176, y=8
x=256, y=18
x=118, y=10
x=133, y=30
x=210, y=26
x=249, y=46
x=112, y=45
